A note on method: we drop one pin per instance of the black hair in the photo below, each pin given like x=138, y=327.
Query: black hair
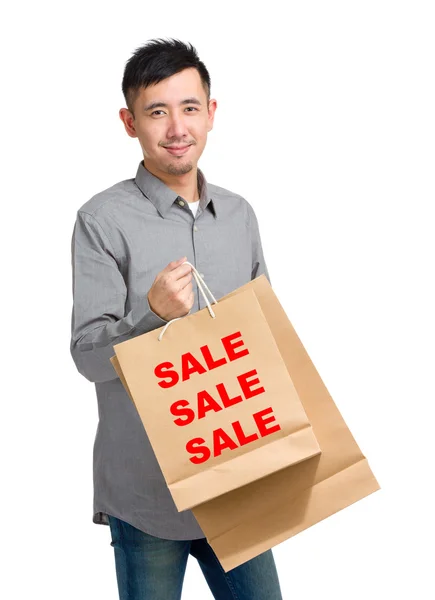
x=156, y=60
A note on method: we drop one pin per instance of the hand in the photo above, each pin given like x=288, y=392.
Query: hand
x=171, y=294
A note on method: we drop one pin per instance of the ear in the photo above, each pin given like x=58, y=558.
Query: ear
x=212, y=106
x=127, y=118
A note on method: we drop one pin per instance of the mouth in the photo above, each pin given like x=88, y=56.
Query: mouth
x=178, y=150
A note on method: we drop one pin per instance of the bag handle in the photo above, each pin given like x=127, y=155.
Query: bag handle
x=200, y=282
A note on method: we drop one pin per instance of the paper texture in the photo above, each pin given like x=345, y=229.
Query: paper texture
x=252, y=519
x=216, y=400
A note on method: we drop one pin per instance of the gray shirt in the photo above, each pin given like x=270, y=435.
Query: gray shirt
x=122, y=237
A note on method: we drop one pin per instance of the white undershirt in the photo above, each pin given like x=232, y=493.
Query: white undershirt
x=194, y=207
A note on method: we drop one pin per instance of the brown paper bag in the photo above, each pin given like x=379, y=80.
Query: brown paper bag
x=245, y=522
x=216, y=400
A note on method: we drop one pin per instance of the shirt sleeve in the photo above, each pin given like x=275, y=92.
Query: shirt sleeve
x=98, y=319
x=259, y=266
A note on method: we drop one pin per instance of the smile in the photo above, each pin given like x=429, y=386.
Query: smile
x=178, y=151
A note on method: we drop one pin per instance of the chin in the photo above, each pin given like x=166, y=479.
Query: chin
x=180, y=168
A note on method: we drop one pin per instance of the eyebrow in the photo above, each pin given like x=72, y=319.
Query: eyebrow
x=157, y=104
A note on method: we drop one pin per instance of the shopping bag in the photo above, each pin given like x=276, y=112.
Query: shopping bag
x=215, y=398
x=245, y=522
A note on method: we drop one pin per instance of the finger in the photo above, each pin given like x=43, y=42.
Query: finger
x=174, y=264
x=184, y=297
x=180, y=271
x=184, y=281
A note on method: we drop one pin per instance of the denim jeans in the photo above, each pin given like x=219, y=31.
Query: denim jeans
x=151, y=568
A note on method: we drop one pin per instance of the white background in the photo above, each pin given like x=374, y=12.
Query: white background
x=325, y=123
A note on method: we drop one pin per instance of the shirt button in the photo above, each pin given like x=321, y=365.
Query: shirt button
x=181, y=202
x=202, y=275
x=195, y=228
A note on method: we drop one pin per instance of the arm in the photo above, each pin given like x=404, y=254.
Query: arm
x=259, y=266
x=98, y=318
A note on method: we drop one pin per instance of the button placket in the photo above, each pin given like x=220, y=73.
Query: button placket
x=195, y=229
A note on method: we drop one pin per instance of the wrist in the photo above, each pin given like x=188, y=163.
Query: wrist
x=153, y=310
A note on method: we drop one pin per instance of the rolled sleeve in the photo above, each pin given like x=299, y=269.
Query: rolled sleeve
x=98, y=319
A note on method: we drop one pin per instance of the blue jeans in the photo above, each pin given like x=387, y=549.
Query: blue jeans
x=151, y=568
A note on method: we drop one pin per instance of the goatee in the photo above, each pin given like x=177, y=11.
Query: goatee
x=181, y=169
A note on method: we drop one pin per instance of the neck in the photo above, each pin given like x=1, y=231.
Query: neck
x=185, y=185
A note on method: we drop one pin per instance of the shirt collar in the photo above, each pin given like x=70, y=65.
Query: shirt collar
x=163, y=197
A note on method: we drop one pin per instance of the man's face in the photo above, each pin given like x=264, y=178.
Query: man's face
x=169, y=115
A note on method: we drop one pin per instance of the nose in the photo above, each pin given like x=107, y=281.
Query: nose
x=177, y=128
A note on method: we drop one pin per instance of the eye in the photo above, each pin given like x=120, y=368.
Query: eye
x=188, y=107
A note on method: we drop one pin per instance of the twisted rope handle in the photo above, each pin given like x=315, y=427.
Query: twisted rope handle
x=200, y=282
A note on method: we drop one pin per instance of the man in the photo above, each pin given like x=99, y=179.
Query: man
x=129, y=246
